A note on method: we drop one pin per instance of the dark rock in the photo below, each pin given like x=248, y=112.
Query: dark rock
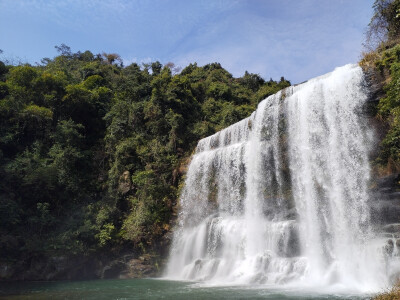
x=51, y=268
x=137, y=268
x=6, y=270
x=292, y=214
x=80, y=268
x=373, y=83
x=385, y=200
x=259, y=278
x=289, y=243
x=113, y=269
x=125, y=183
x=391, y=228
x=131, y=266
x=389, y=247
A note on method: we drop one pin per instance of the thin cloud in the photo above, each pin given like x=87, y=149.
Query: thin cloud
x=295, y=39
x=297, y=48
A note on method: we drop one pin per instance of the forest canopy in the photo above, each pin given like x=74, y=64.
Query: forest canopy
x=92, y=152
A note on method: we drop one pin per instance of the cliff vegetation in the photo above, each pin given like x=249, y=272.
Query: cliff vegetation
x=381, y=61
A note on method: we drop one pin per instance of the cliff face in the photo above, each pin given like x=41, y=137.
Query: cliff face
x=385, y=203
x=385, y=212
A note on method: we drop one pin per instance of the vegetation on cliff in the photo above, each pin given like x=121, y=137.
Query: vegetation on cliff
x=391, y=294
x=382, y=62
x=91, y=151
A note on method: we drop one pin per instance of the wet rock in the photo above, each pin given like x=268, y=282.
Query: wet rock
x=385, y=201
x=291, y=214
x=113, y=269
x=391, y=228
x=289, y=243
x=51, y=268
x=374, y=85
x=389, y=247
x=6, y=271
x=80, y=268
x=138, y=268
x=259, y=278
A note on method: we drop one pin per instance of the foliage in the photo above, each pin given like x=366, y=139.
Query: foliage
x=382, y=62
x=384, y=26
x=91, y=151
x=392, y=294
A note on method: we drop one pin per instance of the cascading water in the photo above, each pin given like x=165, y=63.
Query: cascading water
x=281, y=197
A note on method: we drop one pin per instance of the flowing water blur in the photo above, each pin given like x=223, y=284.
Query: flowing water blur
x=281, y=198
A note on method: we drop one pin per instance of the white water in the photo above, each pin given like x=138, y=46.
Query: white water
x=280, y=198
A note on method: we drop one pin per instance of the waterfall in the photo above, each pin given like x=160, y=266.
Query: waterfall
x=281, y=197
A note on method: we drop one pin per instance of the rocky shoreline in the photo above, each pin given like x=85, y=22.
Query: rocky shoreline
x=81, y=268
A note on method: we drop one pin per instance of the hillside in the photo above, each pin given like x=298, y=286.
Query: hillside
x=92, y=155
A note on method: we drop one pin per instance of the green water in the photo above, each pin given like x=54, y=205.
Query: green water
x=149, y=289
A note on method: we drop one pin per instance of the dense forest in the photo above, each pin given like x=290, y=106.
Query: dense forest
x=92, y=153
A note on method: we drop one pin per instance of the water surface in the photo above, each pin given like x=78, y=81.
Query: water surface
x=153, y=289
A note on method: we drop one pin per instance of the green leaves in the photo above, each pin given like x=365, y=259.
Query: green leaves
x=92, y=153
x=23, y=76
x=387, y=66
x=37, y=113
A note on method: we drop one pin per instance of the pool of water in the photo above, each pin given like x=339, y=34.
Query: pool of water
x=154, y=289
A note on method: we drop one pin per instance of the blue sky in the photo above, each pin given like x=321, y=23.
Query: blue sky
x=298, y=39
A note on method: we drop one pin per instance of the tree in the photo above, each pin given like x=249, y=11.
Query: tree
x=384, y=24
x=64, y=50
x=111, y=58
x=156, y=67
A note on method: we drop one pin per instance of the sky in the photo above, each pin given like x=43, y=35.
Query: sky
x=297, y=39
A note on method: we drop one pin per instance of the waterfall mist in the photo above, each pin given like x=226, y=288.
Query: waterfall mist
x=282, y=198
